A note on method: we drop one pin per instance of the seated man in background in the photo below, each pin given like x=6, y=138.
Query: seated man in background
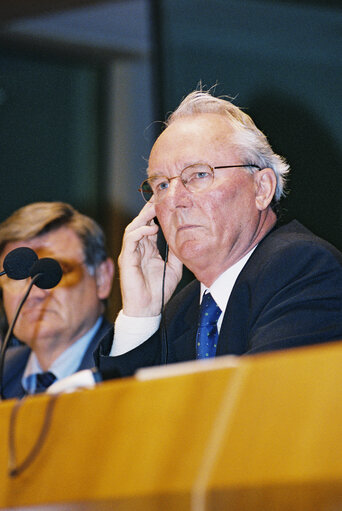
x=59, y=327
x=213, y=182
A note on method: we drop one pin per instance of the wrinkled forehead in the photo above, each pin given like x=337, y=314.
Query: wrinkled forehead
x=204, y=138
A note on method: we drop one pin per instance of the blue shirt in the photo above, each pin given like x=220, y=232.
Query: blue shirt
x=66, y=364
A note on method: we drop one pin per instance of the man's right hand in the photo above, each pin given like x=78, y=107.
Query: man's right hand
x=141, y=267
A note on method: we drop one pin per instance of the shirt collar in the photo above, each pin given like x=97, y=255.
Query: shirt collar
x=222, y=287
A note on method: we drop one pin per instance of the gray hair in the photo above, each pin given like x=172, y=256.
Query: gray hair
x=250, y=143
x=39, y=218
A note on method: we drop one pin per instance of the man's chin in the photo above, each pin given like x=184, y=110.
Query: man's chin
x=192, y=251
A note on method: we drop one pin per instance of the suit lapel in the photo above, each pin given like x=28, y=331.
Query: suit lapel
x=15, y=363
x=184, y=344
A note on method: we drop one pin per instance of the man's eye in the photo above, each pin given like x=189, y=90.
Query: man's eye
x=198, y=176
x=162, y=185
x=67, y=268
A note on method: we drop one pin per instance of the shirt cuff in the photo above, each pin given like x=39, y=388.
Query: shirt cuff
x=130, y=332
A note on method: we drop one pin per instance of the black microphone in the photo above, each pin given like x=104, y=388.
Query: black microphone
x=46, y=273
x=18, y=262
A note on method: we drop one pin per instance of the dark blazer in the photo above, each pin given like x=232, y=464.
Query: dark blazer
x=288, y=294
x=17, y=357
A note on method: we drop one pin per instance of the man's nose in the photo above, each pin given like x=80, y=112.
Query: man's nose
x=38, y=292
x=178, y=193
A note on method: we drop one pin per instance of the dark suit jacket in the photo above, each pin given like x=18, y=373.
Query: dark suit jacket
x=17, y=357
x=288, y=294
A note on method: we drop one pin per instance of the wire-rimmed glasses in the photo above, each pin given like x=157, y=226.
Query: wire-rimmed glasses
x=196, y=178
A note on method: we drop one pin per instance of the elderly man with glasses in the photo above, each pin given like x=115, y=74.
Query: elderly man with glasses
x=214, y=183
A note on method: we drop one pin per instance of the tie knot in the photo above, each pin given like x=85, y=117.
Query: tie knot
x=44, y=380
x=210, y=311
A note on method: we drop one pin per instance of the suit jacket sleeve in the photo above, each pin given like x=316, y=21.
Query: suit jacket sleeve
x=147, y=354
x=180, y=318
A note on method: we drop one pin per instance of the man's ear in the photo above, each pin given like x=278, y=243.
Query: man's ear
x=104, y=275
x=265, y=187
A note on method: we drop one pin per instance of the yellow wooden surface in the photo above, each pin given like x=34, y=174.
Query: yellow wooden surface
x=266, y=435
x=125, y=439
x=281, y=444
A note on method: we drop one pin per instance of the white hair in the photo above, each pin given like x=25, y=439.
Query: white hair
x=251, y=144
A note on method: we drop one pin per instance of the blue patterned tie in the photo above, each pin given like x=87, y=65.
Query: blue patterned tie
x=43, y=381
x=207, y=334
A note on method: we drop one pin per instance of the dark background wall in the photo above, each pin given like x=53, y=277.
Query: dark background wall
x=49, y=127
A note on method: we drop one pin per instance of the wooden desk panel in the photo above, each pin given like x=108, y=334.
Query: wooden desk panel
x=282, y=442
x=123, y=440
